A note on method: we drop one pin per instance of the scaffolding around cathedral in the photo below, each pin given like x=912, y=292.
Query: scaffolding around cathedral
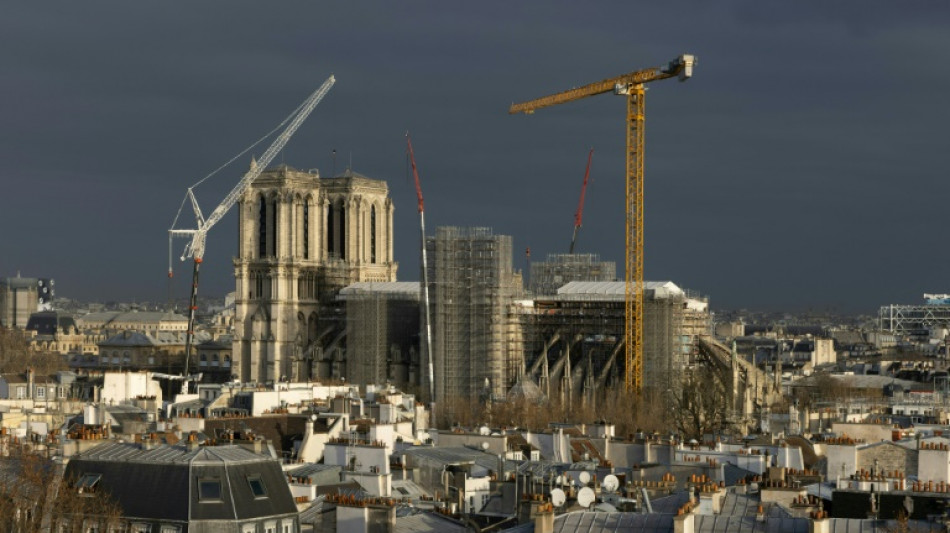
x=471, y=285
x=382, y=325
x=560, y=269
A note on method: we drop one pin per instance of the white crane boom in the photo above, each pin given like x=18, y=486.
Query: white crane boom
x=196, y=247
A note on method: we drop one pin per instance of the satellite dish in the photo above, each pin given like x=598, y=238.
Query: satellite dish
x=485, y=445
x=611, y=483
x=585, y=497
x=558, y=497
x=585, y=478
x=484, y=431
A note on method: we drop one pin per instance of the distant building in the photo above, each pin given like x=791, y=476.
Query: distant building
x=19, y=298
x=162, y=351
x=142, y=321
x=54, y=331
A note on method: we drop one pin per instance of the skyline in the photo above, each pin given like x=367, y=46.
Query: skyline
x=793, y=170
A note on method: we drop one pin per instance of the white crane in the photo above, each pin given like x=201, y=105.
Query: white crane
x=195, y=248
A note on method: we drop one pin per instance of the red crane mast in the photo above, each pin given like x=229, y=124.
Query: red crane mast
x=579, y=214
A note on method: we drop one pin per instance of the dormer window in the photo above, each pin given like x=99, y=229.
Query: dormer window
x=87, y=483
x=257, y=486
x=209, y=490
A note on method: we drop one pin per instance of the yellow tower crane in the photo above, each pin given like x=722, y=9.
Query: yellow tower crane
x=630, y=85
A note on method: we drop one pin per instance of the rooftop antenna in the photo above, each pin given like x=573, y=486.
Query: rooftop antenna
x=585, y=497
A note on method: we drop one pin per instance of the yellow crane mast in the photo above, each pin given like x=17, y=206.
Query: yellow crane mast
x=630, y=85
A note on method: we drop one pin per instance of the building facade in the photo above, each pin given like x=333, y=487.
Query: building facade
x=19, y=298
x=303, y=238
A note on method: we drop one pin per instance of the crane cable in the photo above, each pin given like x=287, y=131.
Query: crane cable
x=233, y=159
x=215, y=171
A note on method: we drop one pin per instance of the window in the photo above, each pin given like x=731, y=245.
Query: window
x=171, y=529
x=372, y=234
x=288, y=527
x=331, y=234
x=209, y=490
x=61, y=391
x=41, y=393
x=306, y=231
x=21, y=392
x=257, y=486
x=141, y=528
x=341, y=243
x=262, y=230
x=270, y=527
x=87, y=483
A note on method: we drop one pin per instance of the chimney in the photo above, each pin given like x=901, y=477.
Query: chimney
x=819, y=523
x=544, y=519
x=30, y=378
x=684, y=523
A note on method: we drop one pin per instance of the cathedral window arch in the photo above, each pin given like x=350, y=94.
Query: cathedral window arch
x=331, y=231
x=341, y=242
x=272, y=219
x=305, y=229
x=372, y=234
x=262, y=228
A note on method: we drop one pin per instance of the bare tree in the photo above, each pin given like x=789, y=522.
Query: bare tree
x=16, y=355
x=703, y=405
x=34, y=497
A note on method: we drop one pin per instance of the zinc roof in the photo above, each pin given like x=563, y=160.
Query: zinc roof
x=404, y=288
x=617, y=289
x=171, y=454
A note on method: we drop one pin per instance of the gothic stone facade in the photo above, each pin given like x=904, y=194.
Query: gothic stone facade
x=302, y=239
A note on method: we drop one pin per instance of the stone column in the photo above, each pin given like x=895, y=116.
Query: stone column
x=324, y=210
x=351, y=236
x=389, y=231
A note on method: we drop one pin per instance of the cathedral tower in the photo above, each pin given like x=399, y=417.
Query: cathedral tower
x=302, y=238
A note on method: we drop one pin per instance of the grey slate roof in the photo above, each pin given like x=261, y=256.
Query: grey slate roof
x=586, y=522
x=159, y=484
x=455, y=454
x=120, y=452
x=426, y=523
x=748, y=524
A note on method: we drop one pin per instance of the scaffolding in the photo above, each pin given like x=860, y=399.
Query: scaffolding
x=914, y=319
x=472, y=285
x=559, y=269
x=382, y=333
x=572, y=342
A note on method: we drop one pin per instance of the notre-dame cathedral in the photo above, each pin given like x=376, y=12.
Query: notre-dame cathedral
x=302, y=239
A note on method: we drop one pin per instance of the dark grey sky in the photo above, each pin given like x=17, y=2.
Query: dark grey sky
x=802, y=167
